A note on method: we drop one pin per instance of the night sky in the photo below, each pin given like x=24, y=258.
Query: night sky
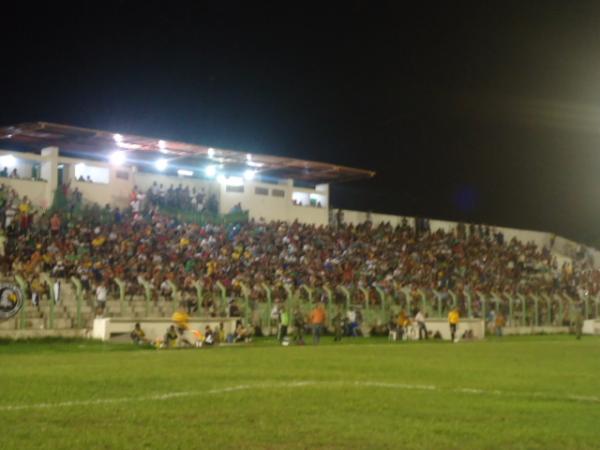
x=466, y=111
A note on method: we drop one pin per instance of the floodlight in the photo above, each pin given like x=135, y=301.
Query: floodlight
x=210, y=171
x=117, y=158
x=8, y=161
x=161, y=164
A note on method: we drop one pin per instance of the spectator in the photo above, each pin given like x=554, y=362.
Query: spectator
x=420, y=320
x=351, y=320
x=453, y=320
x=284, y=321
x=101, y=295
x=138, y=336
x=317, y=320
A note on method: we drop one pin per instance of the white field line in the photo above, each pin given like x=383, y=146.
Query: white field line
x=297, y=384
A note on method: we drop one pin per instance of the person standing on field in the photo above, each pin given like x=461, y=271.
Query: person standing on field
x=317, y=321
x=579, y=313
x=299, y=327
x=420, y=319
x=284, y=322
x=337, y=325
x=453, y=320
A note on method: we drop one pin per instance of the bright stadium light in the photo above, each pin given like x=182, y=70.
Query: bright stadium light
x=117, y=137
x=249, y=174
x=248, y=157
x=235, y=181
x=161, y=164
x=8, y=161
x=210, y=171
x=211, y=152
x=185, y=173
x=162, y=146
x=117, y=158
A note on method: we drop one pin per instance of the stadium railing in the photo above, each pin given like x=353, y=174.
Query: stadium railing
x=377, y=304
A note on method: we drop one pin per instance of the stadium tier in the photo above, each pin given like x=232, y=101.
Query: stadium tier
x=103, y=224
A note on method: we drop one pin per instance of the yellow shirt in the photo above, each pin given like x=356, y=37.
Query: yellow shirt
x=453, y=317
x=181, y=319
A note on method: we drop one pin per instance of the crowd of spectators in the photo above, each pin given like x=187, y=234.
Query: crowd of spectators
x=142, y=243
x=173, y=198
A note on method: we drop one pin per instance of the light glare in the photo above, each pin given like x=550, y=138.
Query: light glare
x=210, y=171
x=161, y=164
x=117, y=158
x=8, y=161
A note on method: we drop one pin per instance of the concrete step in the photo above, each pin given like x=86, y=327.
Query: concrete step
x=9, y=324
x=60, y=324
x=38, y=323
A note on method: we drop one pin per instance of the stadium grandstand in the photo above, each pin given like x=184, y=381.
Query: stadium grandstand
x=102, y=228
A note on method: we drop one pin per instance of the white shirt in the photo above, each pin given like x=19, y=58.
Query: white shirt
x=101, y=293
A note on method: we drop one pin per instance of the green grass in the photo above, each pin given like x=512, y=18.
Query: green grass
x=499, y=393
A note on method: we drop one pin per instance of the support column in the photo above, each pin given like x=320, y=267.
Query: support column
x=49, y=172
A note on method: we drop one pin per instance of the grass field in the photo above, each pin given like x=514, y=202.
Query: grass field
x=526, y=392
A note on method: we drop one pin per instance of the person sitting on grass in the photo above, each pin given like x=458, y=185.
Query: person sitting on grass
x=242, y=333
x=170, y=337
x=138, y=336
x=209, y=338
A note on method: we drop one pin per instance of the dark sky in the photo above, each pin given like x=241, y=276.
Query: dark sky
x=471, y=111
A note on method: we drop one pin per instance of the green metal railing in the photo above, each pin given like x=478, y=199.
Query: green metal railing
x=378, y=304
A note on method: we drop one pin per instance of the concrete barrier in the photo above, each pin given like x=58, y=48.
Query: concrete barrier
x=106, y=328
x=518, y=331
x=591, y=326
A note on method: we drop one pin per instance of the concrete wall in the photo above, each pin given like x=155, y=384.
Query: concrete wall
x=35, y=190
x=270, y=207
x=144, y=181
x=358, y=217
x=116, y=192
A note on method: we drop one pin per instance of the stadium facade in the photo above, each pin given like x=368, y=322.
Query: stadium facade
x=106, y=167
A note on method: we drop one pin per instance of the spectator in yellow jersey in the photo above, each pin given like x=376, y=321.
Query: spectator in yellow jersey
x=453, y=320
x=181, y=320
x=138, y=336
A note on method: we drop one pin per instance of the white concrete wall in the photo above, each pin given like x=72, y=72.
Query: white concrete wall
x=116, y=192
x=23, y=163
x=269, y=207
x=357, y=217
x=35, y=190
x=144, y=181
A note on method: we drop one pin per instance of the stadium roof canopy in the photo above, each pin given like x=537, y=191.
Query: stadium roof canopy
x=100, y=144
